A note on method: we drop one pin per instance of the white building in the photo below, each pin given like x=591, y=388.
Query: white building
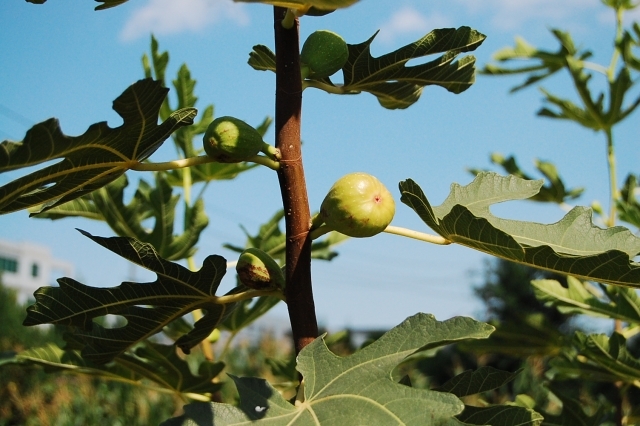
x=26, y=267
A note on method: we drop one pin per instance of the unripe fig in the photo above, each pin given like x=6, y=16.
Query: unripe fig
x=229, y=140
x=358, y=205
x=323, y=54
x=257, y=270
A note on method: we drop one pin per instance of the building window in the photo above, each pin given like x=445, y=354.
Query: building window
x=8, y=265
x=34, y=270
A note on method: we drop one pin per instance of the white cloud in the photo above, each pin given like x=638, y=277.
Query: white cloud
x=173, y=16
x=511, y=14
x=407, y=21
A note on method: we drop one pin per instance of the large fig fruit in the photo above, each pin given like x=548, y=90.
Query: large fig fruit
x=257, y=270
x=323, y=54
x=358, y=205
x=230, y=140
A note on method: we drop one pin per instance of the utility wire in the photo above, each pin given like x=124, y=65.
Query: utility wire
x=15, y=116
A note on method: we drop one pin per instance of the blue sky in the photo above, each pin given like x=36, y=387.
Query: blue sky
x=64, y=60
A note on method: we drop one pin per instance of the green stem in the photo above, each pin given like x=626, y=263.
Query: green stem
x=616, y=53
x=421, y=236
x=613, y=184
x=289, y=19
x=271, y=151
x=396, y=230
x=265, y=161
x=337, y=90
x=172, y=165
x=320, y=231
x=245, y=295
x=194, y=161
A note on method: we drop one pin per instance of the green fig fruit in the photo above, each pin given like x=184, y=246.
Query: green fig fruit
x=257, y=270
x=323, y=54
x=229, y=140
x=358, y=205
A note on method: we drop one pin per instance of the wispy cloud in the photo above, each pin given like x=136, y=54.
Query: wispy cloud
x=410, y=21
x=512, y=14
x=173, y=16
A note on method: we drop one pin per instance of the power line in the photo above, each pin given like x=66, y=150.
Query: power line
x=15, y=116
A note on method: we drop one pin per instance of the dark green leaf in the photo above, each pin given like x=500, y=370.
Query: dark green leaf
x=574, y=245
x=481, y=380
x=357, y=389
x=151, y=361
x=500, y=415
x=573, y=414
x=89, y=161
x=388, y=78
x=147, y=307
x=107, y=4
x=529, y=336
x=305, y=4
x=248, y=311
x=157, y=202
x=262, y=58
x=397, y=85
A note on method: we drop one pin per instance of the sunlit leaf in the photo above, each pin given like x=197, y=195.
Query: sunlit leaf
x=357, y=389
x=611, y=354
x=574, y=245
x=554, y=189
x=147, y=307
x=628, y=205
x=582, y=298
x=546, y=63
x=91, y=160
x=157, y=363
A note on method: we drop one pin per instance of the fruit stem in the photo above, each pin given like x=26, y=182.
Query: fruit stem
x=336, y=90
x=410, y=233
x=271, y=151
x=245, y=295
x=289, y=19
x=316, y=221
x=320, y=231
x=265, y=161
x=170, y=165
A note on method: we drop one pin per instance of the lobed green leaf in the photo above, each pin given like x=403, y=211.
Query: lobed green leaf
x=574, y=245
x=91, y=160
x=356, y=389
x=147, y=307
x=581, y=298
x=151, y=361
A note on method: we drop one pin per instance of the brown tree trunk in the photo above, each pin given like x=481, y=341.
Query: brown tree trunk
x=298, y=291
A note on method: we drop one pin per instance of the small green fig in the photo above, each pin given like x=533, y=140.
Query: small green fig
x=358, y=205
x=257, y=270
x=324, y=53
x=229, y=140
